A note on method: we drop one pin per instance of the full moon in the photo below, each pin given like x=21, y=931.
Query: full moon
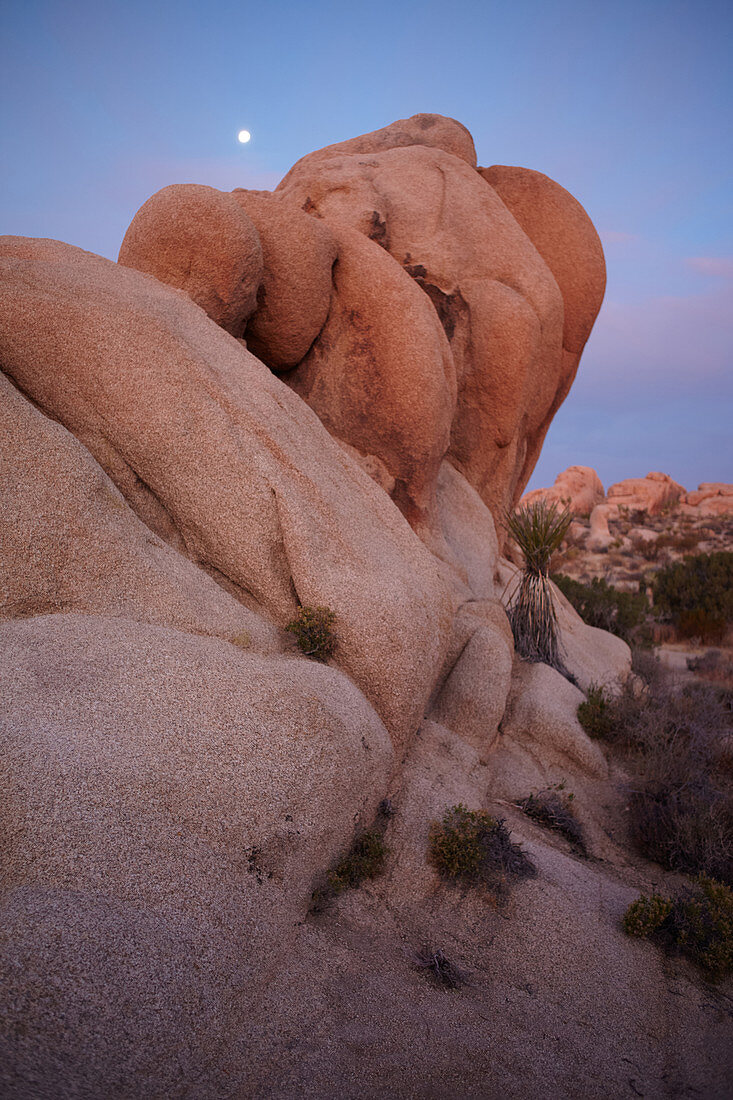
x=243, y=136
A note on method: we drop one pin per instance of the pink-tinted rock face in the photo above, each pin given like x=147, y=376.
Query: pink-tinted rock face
x=578, y=488
x=600, y=536
x=498, y=302
x=651, y=494
x=224, y=461
x=564, y=236
x=431, y=131
x=380, y=376
x=199, y=240
x=292, y=302
x=71, y=543
x=711, y=498
x=505, y=260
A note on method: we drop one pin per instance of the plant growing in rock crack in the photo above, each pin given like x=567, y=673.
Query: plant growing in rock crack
x=597, y=714
x=538, y=530
x=313, y=630
x=471, y=846
x=440, y=968
x=553, y=809
x=365, y=859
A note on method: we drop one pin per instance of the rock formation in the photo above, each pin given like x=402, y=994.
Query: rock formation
x=578, y=488
x=711, y=498
x=503, y=260
x=651, y=494
x=322, y=396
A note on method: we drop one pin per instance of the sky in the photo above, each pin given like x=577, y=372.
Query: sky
x=628, y=105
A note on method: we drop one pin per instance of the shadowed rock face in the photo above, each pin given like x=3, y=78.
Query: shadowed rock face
x=317, y=396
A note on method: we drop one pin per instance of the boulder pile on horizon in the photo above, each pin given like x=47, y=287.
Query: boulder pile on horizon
x=580, y=489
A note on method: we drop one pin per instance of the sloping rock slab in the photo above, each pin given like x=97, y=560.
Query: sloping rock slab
x=223, y=456
x=167, y=803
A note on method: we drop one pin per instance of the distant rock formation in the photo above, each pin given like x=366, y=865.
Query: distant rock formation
x=711, y=498
x=651, y=494
x=324, y=395
x=579, y=488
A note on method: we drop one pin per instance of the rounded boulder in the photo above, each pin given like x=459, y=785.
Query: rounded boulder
x=201, y=241
x=565, y=238
x=299, y=252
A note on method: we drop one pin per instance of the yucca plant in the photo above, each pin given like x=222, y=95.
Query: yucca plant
x=538, y=530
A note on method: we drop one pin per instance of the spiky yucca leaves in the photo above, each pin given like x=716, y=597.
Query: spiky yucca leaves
x=538, y=530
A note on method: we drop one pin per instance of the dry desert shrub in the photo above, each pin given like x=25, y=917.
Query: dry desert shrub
x=472, y=847
x=648, y=549
x=714, y=666
x=442, y=971
x=676, y=742
x=553, y=809
x=597, y=715
x=646, y=915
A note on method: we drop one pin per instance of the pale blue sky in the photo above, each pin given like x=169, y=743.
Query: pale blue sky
x=628, y=105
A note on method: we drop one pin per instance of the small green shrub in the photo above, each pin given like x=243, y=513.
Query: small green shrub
x=554, y=810
x=702, y=923
x=455, y=846
x=364, y=860
x=704, y=583
x=443, y=972
x=538, y=530
x=646, y=915
x=596, y=715
x=600, y=604
x=698, y=923
x=313, y=630
x=471, y=846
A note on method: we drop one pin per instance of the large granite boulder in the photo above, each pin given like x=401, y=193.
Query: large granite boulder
x=225, y=462
x=168, y=805
x=199, y=240
x=298, y=255
x=320, y=396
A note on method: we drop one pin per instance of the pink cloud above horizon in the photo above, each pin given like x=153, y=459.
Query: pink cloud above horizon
x=720, y=267
x=617, y=236
x=680, y=341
